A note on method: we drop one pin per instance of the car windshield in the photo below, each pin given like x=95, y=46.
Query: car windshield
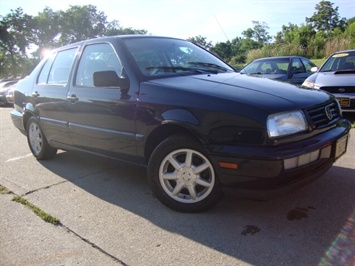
x=344, y=61
x=161, y=57
x=267, y=66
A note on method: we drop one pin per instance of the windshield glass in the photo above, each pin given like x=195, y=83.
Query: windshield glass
x=339, y=62
x=164, y=56
x=267, y=66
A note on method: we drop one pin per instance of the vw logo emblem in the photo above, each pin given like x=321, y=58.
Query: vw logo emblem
x=328, y=112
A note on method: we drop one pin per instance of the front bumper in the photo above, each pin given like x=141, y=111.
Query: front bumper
x=346, y=101
x=261, y=171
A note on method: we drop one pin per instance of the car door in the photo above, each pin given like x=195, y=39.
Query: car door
x=101, y=119
x=49, y=95
x=298, y=70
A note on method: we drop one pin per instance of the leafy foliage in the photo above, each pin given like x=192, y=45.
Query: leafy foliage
x=323, y=33
x=326, y=18
x=16, y=34
x=199, y=40
x=21, y=34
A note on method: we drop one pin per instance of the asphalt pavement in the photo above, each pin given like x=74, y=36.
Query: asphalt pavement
x=108, y=216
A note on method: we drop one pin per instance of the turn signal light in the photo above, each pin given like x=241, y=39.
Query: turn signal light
x=233, y=166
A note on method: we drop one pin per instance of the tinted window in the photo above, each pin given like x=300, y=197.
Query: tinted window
x=307, y=64
x=172, y=57
x=96, y=57
x=297, y=66
x=43, y=76
x=267, y=66
x=340, y=61
x=57, y=68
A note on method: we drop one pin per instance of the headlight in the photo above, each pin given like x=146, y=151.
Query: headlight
x=283, y=124
x=310, y=84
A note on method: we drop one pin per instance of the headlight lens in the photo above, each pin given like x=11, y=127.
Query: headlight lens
x=283, y=124
x=310, y=84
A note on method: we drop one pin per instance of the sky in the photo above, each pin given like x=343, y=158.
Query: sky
x=217, y=20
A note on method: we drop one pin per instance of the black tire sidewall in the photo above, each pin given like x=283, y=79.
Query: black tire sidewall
x=47, y=151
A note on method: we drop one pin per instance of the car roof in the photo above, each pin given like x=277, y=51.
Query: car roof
x=279, y=57
x=108, y=38
x=344, y=51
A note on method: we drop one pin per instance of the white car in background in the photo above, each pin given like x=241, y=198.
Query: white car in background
x=5, y=86
x=337, y=76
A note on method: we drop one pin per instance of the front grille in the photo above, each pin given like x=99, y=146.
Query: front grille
x=339, y=89
x=323, y=116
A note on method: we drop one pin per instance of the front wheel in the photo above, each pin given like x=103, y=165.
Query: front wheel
x=37, y=141
x=182, y=177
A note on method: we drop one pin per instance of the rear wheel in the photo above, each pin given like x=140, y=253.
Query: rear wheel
x=182, y=177
x=37, y=141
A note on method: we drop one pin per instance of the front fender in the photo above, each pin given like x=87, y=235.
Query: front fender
x=179, y=115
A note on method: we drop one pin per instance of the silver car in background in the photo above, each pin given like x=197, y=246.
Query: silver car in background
x=337, y=76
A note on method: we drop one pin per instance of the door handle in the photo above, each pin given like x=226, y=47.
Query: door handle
x=72, y=98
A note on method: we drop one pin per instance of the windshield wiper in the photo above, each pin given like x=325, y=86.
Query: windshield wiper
x=177, y=69
x=210, y=65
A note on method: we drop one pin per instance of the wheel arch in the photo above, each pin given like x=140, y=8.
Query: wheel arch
x=162, y=132
x=29, y=111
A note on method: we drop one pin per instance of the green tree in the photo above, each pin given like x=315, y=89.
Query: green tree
x=287, y=33
x=258, y=33
x=81, y=23
x=223, y=49
x=21, y=34
x=326, y=17
x=113, y=28
x=350, y=21
x=16, y=31
x=202, y=41
x=47, y=28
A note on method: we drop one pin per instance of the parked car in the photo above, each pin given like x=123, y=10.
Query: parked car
x=5, y=86
x=292, y=69
x=197, y=125
x=10, y=94
x=337, y=76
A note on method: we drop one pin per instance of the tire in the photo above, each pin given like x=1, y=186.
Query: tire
x=182, y=177
x=38, y=142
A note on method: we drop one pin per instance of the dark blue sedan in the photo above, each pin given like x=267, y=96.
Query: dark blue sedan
x=292, y=69
x=197, y=126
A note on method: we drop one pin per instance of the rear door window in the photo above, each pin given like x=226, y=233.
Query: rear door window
x=56, y=70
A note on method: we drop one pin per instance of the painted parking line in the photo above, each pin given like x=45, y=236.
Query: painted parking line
x=18, y=158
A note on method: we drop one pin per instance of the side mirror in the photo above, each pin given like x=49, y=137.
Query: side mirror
x=314, y=69
x=110, y=79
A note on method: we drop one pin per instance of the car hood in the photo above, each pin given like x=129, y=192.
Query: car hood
x=270, y=76
x=263, y=93
x=331, y=79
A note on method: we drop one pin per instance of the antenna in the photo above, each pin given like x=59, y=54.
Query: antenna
x=221, y=28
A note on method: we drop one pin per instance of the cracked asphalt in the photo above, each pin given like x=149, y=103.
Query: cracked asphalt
x=109, y=216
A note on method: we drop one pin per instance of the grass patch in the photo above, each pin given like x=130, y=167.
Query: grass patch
x=4, y=190
x=318, y=62
x=43, y=215
x=238, y=67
